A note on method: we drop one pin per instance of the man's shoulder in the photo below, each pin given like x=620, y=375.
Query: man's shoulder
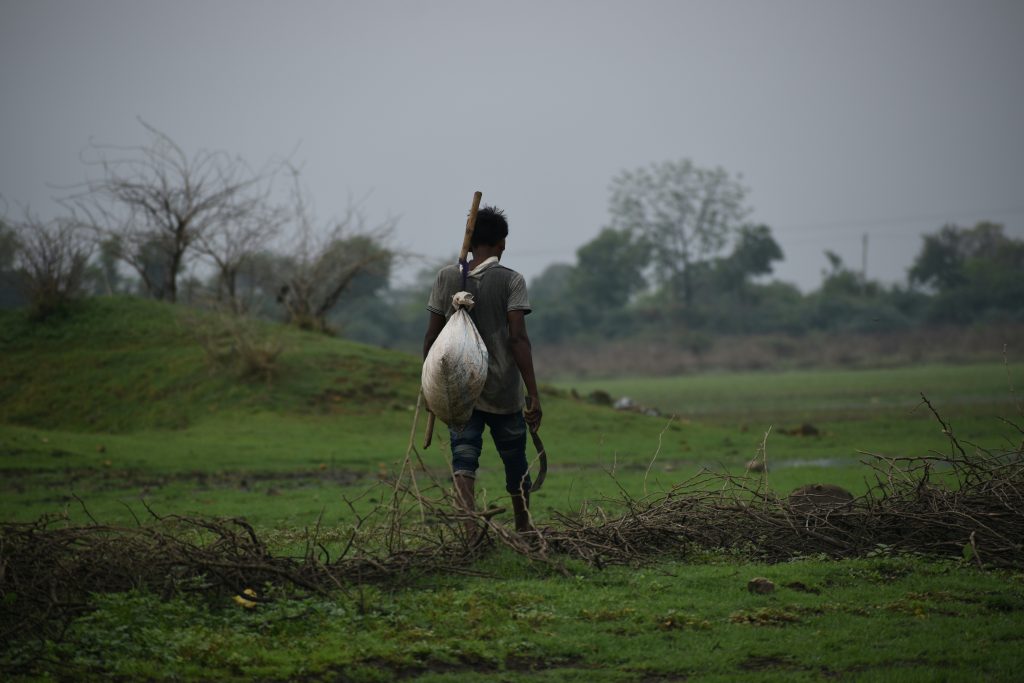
x=448, y=273
x=507, y=272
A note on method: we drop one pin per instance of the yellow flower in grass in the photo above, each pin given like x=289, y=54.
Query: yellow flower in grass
x=243, y=601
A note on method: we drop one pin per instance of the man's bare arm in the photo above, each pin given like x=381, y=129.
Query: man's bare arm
x=522, y=354
x=434, y=326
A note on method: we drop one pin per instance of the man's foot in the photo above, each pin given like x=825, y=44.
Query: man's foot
x=521, y=512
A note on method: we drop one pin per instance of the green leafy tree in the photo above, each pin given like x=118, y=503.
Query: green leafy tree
x=838, y=280
x=686, y=212
x=730, y=300
x=974, y=272
x=946, y=256
x=400, y=312
x=848, y=302
x=366, y=311
x=555, y=315
x=752, y=256
x=609, y=272
x=755, y=252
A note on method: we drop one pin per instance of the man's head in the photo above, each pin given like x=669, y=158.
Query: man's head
x=491, y=227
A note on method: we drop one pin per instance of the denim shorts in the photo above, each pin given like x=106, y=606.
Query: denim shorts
x=509, y=435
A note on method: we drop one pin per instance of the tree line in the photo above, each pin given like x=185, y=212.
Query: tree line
x=149, y=217
x=678, y=254
x=680, y=260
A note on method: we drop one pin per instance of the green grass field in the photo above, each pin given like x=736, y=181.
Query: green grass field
x=116, y=404
x=835, y=395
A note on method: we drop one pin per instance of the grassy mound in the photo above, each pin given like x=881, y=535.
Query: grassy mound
x=122, y=364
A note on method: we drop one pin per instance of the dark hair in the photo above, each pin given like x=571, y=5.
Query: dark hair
x=491, y=226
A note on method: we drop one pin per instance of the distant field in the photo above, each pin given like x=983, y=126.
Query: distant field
x=991, y=388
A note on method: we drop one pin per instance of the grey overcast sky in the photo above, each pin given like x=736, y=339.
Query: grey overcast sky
x=885, y=117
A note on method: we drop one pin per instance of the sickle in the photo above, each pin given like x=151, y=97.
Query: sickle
x=542, y=455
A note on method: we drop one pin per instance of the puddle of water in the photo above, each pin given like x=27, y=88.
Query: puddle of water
x=818, y=462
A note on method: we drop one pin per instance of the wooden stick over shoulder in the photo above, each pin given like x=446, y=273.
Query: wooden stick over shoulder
x=467, y=240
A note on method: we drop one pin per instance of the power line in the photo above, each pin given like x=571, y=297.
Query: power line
x=853, y=229
x=851, y=237
x=895, y=222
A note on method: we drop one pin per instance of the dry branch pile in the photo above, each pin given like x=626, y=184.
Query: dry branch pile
x=956, y=506
x=959, y=505
x=48, y=568
x=968, y=505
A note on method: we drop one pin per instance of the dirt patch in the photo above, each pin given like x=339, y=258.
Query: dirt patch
x=801, y=587
x=806, y=429
x=516, y=662
x=111, y=479
x=467, y=664
x=36, y=452
x=769, y=663
x=766, y=616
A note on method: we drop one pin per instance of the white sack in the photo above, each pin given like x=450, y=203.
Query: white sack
x=455, y=369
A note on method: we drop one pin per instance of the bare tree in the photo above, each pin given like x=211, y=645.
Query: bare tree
x=320, y=265
x=50, y=259
x=237, y=240
x=157, y=202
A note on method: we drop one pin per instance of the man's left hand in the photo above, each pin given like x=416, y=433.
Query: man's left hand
x=533, y=413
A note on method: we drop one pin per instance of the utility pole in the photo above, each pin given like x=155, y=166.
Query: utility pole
x=864, y=266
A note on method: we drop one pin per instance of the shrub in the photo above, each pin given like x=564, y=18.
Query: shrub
x=236, y=342
x=50, y=262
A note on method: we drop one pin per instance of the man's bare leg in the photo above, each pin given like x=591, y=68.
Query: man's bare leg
x=465, y=498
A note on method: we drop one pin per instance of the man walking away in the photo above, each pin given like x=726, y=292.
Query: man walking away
x=500, y=318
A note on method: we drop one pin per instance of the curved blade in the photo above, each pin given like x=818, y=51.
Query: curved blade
x=543, y=456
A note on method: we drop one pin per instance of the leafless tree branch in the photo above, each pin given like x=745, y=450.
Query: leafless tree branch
x=323, y=263
x=158, y=203
x=50, y=259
